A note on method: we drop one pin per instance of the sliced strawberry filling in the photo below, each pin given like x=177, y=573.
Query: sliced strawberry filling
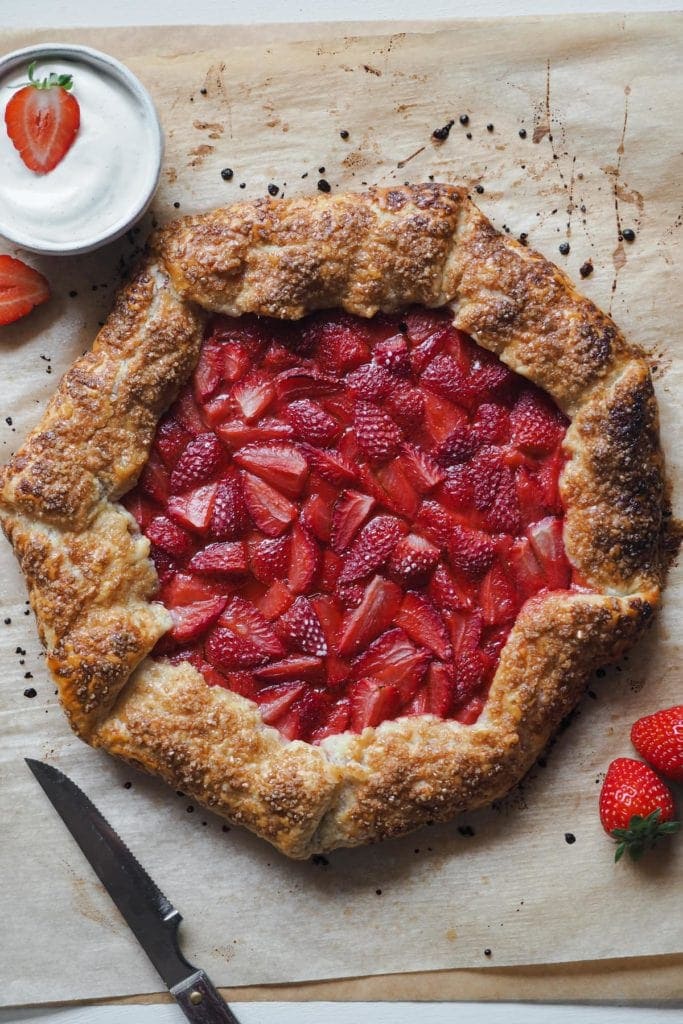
x=346, y=516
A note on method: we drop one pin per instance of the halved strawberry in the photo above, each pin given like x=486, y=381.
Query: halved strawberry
x=155, y=480
x=374, y=614
x=253, y=394
x=413, y=559
x=244, y=683
x=337, y=343
x=530, y=496
x=331, y=465
x=21, y=289
x=377, y=434
x=235, y=433
x=269, y=558
x=269, y=509
x=460, y=445
x=546, y=540
x=229, y=516
x=191, y=620
x=304, y=560
x=406, y=406
x=311, y=423
x=393, y=658
x=299, y=666
x=300, y=629
x=42, y=120
x=278, y=463
x=469, y=713
x=245, y=620
x=435, y=522
x=440, y=689
x=222, y=557
x=400, y=495
x=350, y=512
x=497, y=597
x=186, y=588
x=422, y=470
x=202, y=458
x=492, y=424
x=194, y=508
x=445, y=377
x=273, y=701
x=370, y=382
x=226, y=650
x=441, y=417
x=536, y=426
x=470, y=551
x=275, y=601
x=458, y=489
x=371, y=703
x=392, y=354
x=170, y=537
x=371, y=548
x=337, y=721
x=171, y=440
x=423, y=624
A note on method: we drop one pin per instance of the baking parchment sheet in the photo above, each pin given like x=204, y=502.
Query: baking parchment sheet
x=599, y=99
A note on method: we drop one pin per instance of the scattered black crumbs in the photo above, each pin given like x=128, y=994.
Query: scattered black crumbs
x=489, y=127
x=522, y=133
x=305, y=174
x=127, y=785
x=564, y=248
x=243, y=184
x=227, y=174
x=28, y=675
x=523, y=238
x=27, y=612
x=464, y=119
x=479, y=189
x=8, y=421
x=600, y=673
x=225, y=828
x=73, y=294
x=431, y=177
x=324, y=186
x=319, y=860
x=441, y=134
x=378, y=892
x=468, y=135
x=592, y=694
x=205, y=823
x=629, y=235
x=487, y=952
x=190, y=808
x=176, y=205
x=30, y=691
x=569, y=837
x=19, y=650
x=7, y=621
x=178, y=793
x=466, y=830
x=344, y=134
x=586, y=269
x=273, y=190
x=321, y=170
x=204, y=92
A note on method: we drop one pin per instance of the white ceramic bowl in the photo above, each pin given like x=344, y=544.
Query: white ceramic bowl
x=108, y=177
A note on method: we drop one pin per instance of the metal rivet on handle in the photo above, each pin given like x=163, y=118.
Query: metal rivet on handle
x=195, y=997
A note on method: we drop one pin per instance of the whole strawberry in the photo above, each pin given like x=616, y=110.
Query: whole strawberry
x=636, y=808
x=42, y=120
x=659, y=739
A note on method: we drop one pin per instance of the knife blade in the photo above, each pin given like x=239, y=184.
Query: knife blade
x=148, y=913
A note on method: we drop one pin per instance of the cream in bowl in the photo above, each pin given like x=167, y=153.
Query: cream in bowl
x=106, y=179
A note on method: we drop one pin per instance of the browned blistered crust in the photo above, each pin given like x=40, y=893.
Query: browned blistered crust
x=92, y=584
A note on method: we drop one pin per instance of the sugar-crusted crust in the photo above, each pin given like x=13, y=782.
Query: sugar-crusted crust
x=92, y=585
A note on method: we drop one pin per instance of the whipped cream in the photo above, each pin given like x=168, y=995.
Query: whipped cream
x=106, y=178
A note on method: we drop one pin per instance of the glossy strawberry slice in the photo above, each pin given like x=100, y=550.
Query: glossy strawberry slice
x=311, y=423
x=497, y=597
x=304, y=560
x=392, y=354
x=413, y=559
x=226, y=650
x=303, y=381
x=397, y=491
x=337, y=721
x=275, y=600
x=375, y=613
x=220, y=409
x=371, y=703
x=491, y=424
x=330, y=618
x=155, y=481
x=269, y=509
x=192, y=620
x=269, y=558
x=441, y=417
x=274, y=701
x=194, y=509
x=278, y=463
x=423, y=624
x=536, y=427
x=170, y=537
x=371, y=548
x=171, y=440
x=451, y=592
x=236, y=433
x=223, y=557
x=350, y=512
x=236, y=360
x=299, y=666
x=246, y=621
x=305, y=715
x=187, y=588
x=200, y=460
x=187, y=412
x=316, y=516
x=301, y=630
x=393, y=658
x=440, y=689
x=331, y=466
x=470, y=551
x=338, y=345
x=422, y=470
x=229, y=516
x=208, y=373
x=370, y=382
x=377, y=434
x=445, y=377
x=457, y=491
x=546, y=540
x=253, y=394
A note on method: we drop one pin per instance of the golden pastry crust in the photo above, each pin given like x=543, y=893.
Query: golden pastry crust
x=92, y=585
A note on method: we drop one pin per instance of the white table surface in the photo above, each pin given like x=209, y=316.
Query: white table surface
x=38, y=13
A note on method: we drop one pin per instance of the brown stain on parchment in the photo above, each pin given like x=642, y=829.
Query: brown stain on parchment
x=199, y=154
x=214, y=128
x=83, y=902
x=621, y=194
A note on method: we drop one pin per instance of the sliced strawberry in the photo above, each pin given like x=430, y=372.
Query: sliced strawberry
x=458, y=490
x=370, y=382
x=253, y=394
x=338, y=671
x=229, y=517
x=275, y=601
x=492, y=424
x=459, y=446
x=202, y=458
x=441, y=417
x=373, y=615
x=470, y=669
x=305, y=715
x=530, y=496
x=329, y=617
x=311, y=423
x=316, y=516
x=188, y=415
x=21, y=289
x=278, y=463
x=235, y=433
x=212, y=677
x=371, y=548
x=546, y=540
x=423, y=624
x=338, y=344
x=450, y=592
x=191, y=620
x=421, y=469
x=300, y=629
x=140, y=508
x=269, y=509
x=194, y=508
x=171, y=440
x=445, y=377
x=304, y=560
x=330, y=569
x=242, y=683
x=488, y=472
x=469, y=714
x=536, y=426
x=470, y=551
x=435, y=522
x=497, y=597
x=413, y=559
x=349, y=513
x=349, y=594
x=299, y=666
x=393, y=658
x=170, y=537
x=377, y=434
x=372, y=703
x=208, y=372
x=490, y=378
x=236, y=360
x=331, y=465
x=222, y=408
x=401, y=496
x=465, y=629
x=406, y=406
x=300, y=381
x=422, y=323
x=226, y=650
x=337, y=721
x=273, y=701
x=185, y=588
x=440, y=689
x=42, y=120
x=392, y=354
x=269, y=558
x=245, y=620
x=223, y=557
x=155, y=480
x=342, y=406
x=418, y=704
x=504, y=514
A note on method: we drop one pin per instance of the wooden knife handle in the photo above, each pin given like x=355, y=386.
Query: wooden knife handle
x=200, y=1002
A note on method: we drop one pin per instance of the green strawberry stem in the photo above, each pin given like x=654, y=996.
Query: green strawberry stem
x=642, y=834
x=52, y=81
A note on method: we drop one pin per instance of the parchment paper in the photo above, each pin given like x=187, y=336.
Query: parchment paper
x=601, y=97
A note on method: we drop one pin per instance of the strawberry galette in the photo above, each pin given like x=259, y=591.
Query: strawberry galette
x=350, y=496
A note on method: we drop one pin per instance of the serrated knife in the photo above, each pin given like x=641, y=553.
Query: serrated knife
x=148, y=913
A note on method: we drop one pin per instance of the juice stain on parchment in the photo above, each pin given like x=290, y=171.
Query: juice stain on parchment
x=84, y=903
